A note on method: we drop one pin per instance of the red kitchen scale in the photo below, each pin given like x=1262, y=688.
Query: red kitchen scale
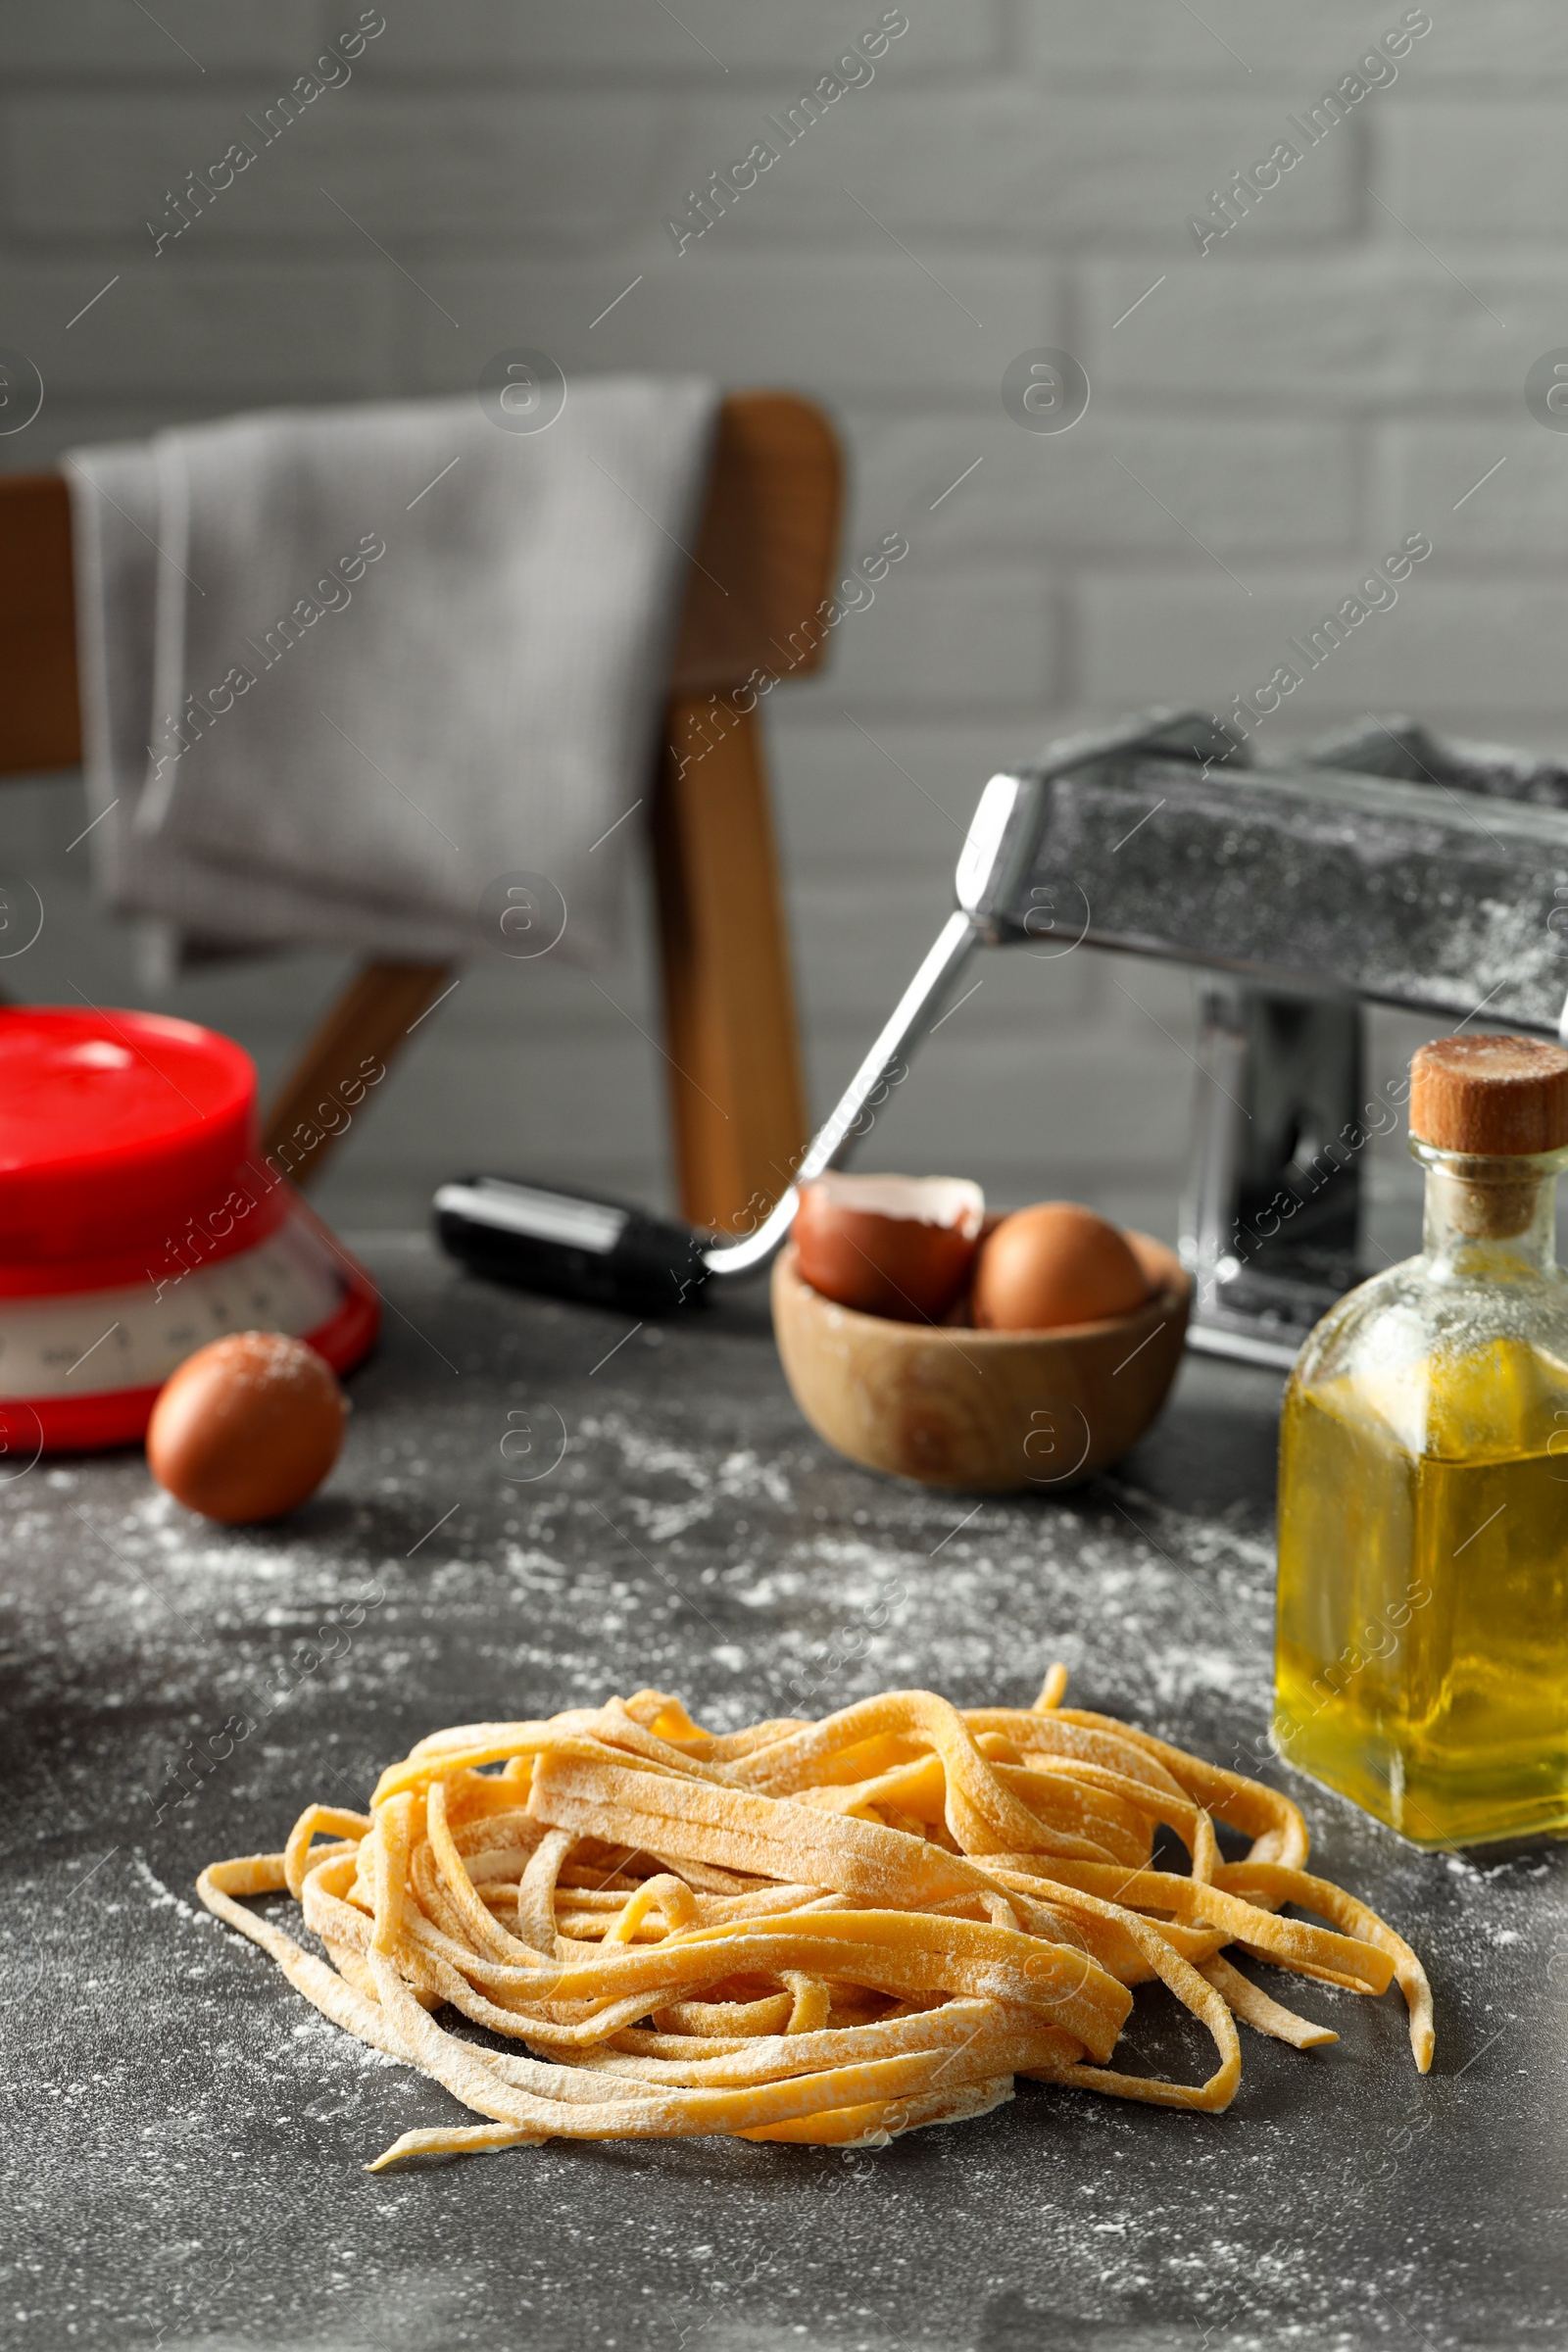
x=138, y=1220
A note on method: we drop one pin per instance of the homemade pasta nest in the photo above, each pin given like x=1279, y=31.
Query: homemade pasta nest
x=822, y=1931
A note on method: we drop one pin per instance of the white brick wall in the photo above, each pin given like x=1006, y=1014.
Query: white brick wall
x=1337, y=370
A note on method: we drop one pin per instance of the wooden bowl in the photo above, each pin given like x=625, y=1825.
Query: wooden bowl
x=985, y=1411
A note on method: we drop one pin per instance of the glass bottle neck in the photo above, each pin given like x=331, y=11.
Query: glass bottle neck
x=1490, y=1218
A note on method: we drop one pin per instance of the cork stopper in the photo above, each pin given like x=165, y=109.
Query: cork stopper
x=1491, y=1095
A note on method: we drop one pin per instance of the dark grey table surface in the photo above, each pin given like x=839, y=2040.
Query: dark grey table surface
x=185, y=2137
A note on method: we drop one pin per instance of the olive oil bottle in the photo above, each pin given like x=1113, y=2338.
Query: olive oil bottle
x=1422, y=1663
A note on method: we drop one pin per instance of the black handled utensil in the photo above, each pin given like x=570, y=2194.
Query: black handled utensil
x=571, y=1245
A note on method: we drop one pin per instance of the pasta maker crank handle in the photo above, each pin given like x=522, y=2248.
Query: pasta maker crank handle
x=992, y=867
x=580, y=1245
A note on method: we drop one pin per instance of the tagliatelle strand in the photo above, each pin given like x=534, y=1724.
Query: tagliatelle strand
x=826, y=1932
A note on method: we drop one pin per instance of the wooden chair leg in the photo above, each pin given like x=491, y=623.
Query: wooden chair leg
x=736, y=1094
x=350, y=1053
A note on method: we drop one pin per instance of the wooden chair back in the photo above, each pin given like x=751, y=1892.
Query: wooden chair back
x=764, y=561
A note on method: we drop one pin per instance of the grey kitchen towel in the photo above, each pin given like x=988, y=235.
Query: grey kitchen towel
x=345, y=671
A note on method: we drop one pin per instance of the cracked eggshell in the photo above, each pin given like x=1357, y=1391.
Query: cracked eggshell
x=896, y=1246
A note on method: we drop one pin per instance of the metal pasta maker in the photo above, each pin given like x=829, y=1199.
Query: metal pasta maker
x=1384, y=867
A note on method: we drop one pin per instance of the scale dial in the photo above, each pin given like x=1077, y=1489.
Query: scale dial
x=96, y=1342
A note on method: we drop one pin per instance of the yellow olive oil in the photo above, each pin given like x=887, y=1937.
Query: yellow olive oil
x=1423, y=1591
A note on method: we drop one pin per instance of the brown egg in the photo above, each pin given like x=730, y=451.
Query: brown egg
x=247, y=1426
x=898, y=1245
x=1153, y=1260
x=1054, y=1264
